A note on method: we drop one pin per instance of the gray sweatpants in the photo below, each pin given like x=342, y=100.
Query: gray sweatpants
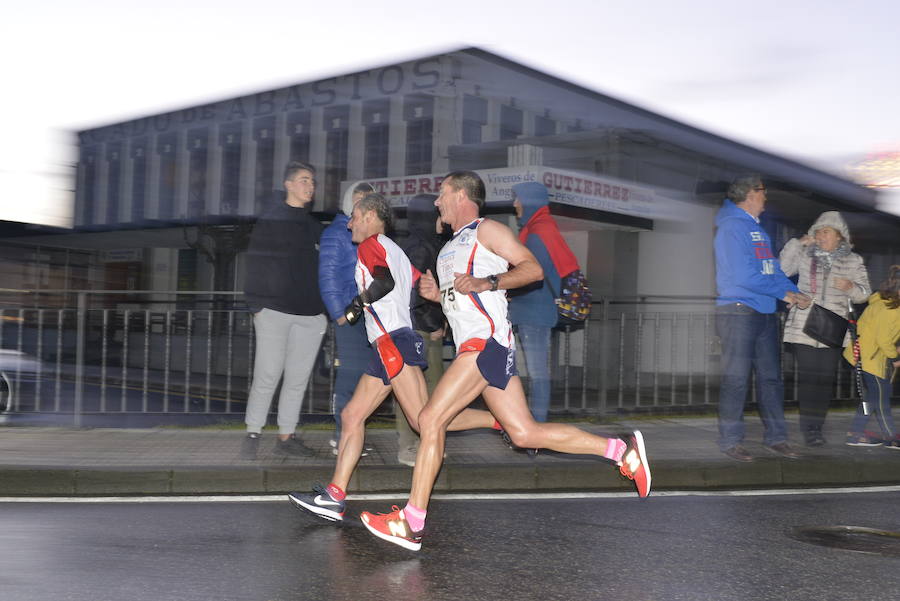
x=285, y=344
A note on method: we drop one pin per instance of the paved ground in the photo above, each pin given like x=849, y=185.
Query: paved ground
x=110, y=461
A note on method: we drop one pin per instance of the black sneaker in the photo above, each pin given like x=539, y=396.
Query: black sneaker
x=512, y=446
x=293, y=446
x=250, y=446
x=319, y=502
x=366, y=450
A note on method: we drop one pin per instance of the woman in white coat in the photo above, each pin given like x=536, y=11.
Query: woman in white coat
x=830, y=273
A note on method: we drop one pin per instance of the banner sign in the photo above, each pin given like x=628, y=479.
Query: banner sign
x=574, y=188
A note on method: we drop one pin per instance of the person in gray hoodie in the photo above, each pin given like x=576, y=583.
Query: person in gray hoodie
x=830, y=273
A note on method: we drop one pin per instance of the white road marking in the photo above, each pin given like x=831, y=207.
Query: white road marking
x=280, y=498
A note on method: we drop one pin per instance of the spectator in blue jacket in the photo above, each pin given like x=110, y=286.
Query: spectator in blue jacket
x=532, y=309
x=749, y=280
x=337, y=263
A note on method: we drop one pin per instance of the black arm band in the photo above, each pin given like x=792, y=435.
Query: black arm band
x=382, y=283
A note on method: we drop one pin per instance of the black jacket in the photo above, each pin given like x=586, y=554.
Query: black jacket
x=283, y=262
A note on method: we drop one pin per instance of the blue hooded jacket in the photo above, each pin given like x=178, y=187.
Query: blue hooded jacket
x=747, y=271
x=535, y=304
x=337, y=266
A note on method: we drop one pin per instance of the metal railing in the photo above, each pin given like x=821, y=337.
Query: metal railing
x=658, y=353
x=189, y=353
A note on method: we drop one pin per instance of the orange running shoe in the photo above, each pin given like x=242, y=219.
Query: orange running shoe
x=393, y=528
x=634, y=464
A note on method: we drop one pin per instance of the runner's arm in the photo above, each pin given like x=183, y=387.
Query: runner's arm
x=501, y=241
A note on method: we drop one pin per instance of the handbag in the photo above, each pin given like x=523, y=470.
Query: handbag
x=825, y=326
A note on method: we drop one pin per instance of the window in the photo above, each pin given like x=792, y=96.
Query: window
x=544, y=126
x=165, y=147
x=263, y=130
x=138, y=179
x=197, y=171
x=298, y=133
x=510, y=123
x=376, y=120
x=89, y=165
x=337, y=139
x=418, y=111
x=113, y=180
x=474, y=119
x=230, y=140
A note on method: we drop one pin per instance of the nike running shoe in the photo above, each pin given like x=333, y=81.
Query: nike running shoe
x=634, y=464
x=393, y=528
x=319, y=502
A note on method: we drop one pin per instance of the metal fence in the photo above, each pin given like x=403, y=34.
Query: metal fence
x=189, y=353
x=659, y=354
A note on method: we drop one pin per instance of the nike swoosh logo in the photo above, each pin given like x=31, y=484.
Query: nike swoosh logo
x=320, y=500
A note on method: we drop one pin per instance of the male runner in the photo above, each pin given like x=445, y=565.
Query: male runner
x=384, y=278
x=482, y=260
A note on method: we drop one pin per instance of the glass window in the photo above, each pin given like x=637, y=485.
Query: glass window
x=544, y=126
x=263, y=130
x=230, y=139
x=114, y=180
x=510, y=123
x=419, y=140
x=165, y=146
x=89, y=165
x=376, y=120
x=298, y=133
x=474, y=119
x=197, y=172
x=138, y=179
x=418, y=111
x=337, y=139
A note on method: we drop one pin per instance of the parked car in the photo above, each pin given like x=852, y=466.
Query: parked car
x=17, y=369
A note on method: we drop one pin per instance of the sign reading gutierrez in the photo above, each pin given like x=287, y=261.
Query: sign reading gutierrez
x=566, y=187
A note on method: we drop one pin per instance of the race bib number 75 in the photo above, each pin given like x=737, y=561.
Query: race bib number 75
x=448, y=299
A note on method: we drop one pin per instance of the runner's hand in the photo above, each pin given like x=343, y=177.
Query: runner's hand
x=465, y=283
x=354, y=310
x=428, y=288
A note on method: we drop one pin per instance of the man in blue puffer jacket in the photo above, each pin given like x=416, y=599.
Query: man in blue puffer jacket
x=337, y=263
x=749, y=282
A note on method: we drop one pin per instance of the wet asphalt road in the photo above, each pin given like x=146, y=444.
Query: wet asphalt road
x=665, y=548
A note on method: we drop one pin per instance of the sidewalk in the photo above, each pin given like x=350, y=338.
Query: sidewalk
x=682, y=450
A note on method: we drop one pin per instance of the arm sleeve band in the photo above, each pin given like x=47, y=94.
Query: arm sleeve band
x=382, y=283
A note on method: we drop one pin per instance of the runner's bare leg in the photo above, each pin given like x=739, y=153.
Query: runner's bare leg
x=459, y=386
x=369, y=394
x=511, y=410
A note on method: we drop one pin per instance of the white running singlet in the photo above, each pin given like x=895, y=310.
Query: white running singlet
x=391, y=312
x=481, y=315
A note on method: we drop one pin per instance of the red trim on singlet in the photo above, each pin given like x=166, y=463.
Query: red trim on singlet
x=472, y=345
x=375, y=317
x=372, y=254
x=470, y=269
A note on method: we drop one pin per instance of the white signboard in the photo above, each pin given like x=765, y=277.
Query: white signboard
x=574, y=188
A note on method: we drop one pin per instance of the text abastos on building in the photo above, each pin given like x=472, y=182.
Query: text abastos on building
x=566, y=187
x=417, y=76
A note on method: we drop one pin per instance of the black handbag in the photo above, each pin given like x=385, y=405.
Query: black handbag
x=825, y=326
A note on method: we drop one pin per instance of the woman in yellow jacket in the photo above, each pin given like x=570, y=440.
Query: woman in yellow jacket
x=879, y=347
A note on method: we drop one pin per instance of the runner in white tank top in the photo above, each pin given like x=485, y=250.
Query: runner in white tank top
x=478, y=315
